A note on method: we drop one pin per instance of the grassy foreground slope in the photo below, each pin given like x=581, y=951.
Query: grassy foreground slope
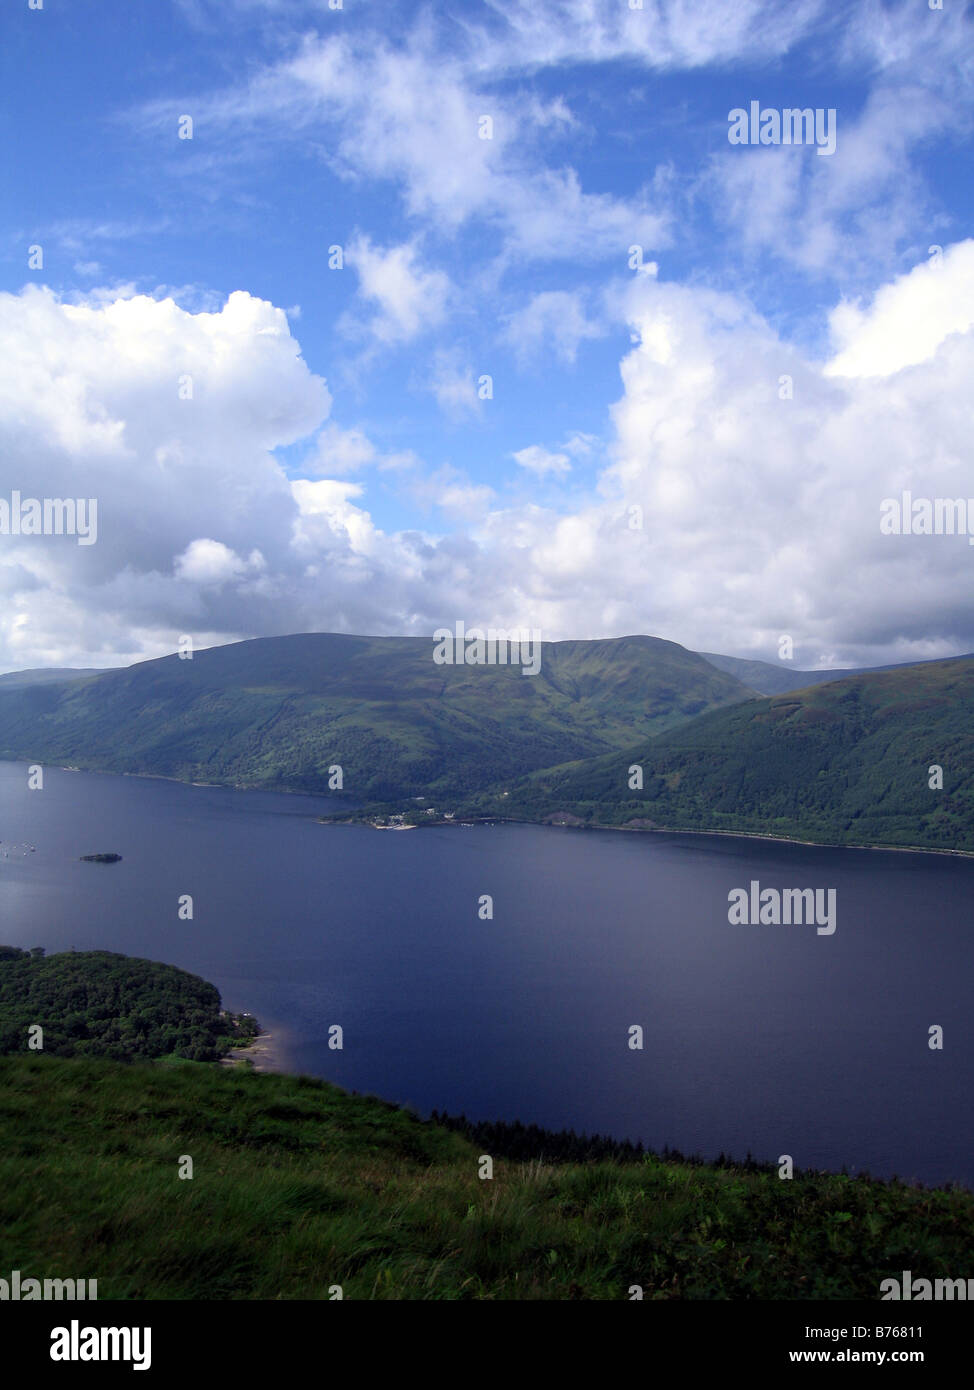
x=840, y=763
x=298, y=1186
x=278, y=712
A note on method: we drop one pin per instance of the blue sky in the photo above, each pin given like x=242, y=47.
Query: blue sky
x=336, y=467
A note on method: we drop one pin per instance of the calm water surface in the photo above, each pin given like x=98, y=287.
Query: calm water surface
x=764, y=1039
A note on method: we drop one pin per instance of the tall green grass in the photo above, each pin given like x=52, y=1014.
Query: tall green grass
x=299, y=1187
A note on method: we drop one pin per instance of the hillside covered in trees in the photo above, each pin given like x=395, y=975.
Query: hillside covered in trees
x=853, y=761
x=102, y=1004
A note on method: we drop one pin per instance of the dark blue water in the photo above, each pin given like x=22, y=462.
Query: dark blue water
x=768, y=1039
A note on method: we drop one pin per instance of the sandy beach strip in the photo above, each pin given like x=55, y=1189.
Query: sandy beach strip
x=263, y=1053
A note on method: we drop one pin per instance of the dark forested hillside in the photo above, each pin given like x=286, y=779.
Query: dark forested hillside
x=101, y=1004
x=848, y=762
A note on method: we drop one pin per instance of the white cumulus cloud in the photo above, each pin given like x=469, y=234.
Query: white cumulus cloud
x=908, y=319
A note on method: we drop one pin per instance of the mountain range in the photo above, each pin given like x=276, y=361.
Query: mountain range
x=278, y=712
x=769, y=679
x=846, y=759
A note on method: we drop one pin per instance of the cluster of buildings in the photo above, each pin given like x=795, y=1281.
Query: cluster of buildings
x=398, y=821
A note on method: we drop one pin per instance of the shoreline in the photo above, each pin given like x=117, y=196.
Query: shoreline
x=774, y=839
x=511, y=820
x=267, y=1062
x=263, y=1055
x=179, y=781
x=471, y=821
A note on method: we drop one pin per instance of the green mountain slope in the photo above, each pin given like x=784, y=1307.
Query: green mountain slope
x=298, y=1187
x=769, y=679
x=278, y=712
x=46, y=675
x=841, y=763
